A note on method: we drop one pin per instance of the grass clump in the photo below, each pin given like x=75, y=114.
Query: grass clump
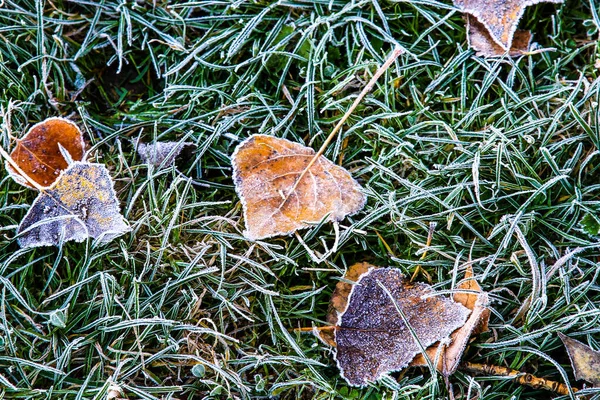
x=498, y=157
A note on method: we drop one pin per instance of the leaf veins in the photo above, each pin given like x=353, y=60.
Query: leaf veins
x=281, y=195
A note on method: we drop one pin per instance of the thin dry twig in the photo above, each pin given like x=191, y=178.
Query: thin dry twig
x=397, y=51
x=522, y=378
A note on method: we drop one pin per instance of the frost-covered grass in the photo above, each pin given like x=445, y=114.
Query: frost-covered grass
x=501, y=157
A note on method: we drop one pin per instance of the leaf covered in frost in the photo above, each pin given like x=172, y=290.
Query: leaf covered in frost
x=281, y=192
x=500, y=19
x=481, y=41
x=38, y=155
x=82, y=203
x=161, y=153
x=371, y=336
x=471, y=296
x=584, y=360
x=339, y=299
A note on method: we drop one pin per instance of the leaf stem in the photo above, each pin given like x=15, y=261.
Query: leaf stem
x=397, y=51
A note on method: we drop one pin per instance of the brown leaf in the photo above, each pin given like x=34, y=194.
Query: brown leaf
x=471, y=300
x=499, y=17
x=450, y=356
x=80, y=204
x=279, y=197
x=372, y=338
x=481, y=41
x=339, y=299
x=38, y=154
x=584, y=360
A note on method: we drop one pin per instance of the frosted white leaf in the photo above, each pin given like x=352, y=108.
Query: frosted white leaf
x=82, y=203
x=161, y=153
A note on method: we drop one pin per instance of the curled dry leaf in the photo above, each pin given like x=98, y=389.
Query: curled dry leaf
x=38, y=154
x=481, y=41
x=281, y=192
x=500, y=19
x=584, y=360
x=161, y=153
x=82, y=203
x=371, y=336
x=450, y=355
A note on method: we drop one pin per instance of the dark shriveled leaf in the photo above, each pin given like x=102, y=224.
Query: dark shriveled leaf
x=339, y=299
x=372, y=338
x=281, y=195
x=80, y=204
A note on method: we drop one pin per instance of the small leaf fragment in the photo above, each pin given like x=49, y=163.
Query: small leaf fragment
x=280, y=194
x=499, y=17
x=584, y=360
x=161, y=153
x=372, y=338
x=480, y=40
x=590, y=224
x=82, y=203
x=38, y=153
x=478, y=322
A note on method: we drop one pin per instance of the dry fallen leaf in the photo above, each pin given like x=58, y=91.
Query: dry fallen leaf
x=339, y=299
x=161, y=153
x=450, y=356
x=371, y=336
x=80, y=204
x=481, y=41
x=38, y=154
x=279, y=197
x=500, y=19
x=584, y=360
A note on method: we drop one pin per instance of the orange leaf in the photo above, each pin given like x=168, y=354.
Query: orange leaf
x=37, y=154
x=281, y=193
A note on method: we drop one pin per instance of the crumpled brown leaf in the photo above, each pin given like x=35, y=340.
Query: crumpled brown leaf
x=266, y=173
x=481, y=41
x=38, y=154
x=584, y=360
x=371, y=336
x=499, y=18
x=450, y=356
x=80, y=204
